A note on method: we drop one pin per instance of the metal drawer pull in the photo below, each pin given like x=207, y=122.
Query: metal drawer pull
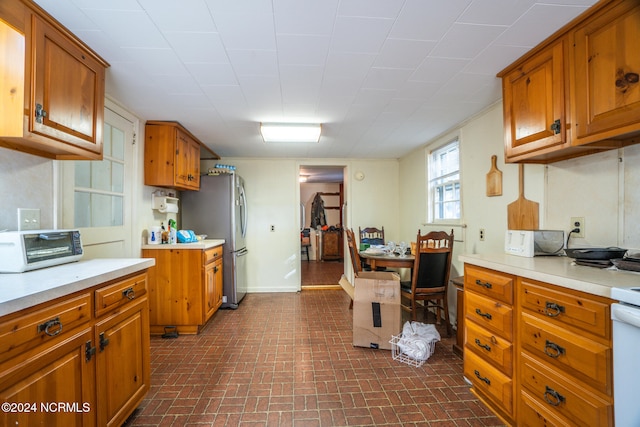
x=484, y=284
x=552, y=397
x=129, y=293
x=552, y=309
x=480, y=313
x=485, y=346
x=481, y=378
x=556, y=350
x=103, y=341
x=46, y=326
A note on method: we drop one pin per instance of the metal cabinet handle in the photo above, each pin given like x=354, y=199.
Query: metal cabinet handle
x=53, y=323
x=481, y=378
x=556, y=126
x=103, y=341
x=552, y=309
x=129, y=293
x=89, y=351
x=552, y=349
x=552, y=397
x=485, y=346
x=484, y=284
x=480, y=313
x=40, y=113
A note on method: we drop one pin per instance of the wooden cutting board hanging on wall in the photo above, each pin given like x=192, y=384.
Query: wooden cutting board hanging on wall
x=522, y=214
x=494, y=179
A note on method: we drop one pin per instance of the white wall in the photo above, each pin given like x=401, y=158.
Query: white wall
x=273, y=193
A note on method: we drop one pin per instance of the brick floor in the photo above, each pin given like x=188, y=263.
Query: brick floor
x=286, y=359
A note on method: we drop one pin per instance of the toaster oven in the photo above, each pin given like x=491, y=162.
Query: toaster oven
x=27, y=250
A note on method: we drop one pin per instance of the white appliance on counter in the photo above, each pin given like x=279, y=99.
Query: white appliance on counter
x=219, y=210
x=28, y=250
x=530, y=243
x=626, y=348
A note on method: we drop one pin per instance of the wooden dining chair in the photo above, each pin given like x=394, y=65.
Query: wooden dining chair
x=372, y=235
x=430, y=279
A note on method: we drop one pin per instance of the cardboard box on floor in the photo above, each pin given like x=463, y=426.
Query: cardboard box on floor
x=377, y=314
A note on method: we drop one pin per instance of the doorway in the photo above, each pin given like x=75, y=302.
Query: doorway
x=322, y=218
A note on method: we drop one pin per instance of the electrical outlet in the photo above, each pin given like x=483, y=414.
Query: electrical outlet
x=482, y=234
x=28, y=219
x=577, y=222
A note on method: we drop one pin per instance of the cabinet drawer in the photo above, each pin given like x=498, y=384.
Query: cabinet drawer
x=566, y=308
x=560, y=395
x=489, y=381
x=572, y=354
x=120, y=293
x=31, y=329
x=492, y=348
x=493, y=315
x=532, y=414
x=212, y=254
x=489, y=282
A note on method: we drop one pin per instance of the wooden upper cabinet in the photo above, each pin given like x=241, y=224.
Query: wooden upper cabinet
x=534, y=99
x=607, y=67
x=577, y=92
x=53, y=92
x=171, y=156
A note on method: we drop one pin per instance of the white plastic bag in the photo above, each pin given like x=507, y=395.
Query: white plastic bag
x=418, y=340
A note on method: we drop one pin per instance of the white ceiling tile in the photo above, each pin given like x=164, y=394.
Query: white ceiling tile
x=296, y=49
x=494, y=12
x=134, y=28
x=466, y=40
x=197, y=46
x=310, y=17
x=527, y=30
x=397, y=53
x=185, y=15
x=438, y=70
x=426, y=20
x=370, y=8
x=252, y=62
x=386, y=78
x=362, y=35
x=206, y=73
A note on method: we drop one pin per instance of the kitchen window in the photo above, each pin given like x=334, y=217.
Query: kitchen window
x=443, y=172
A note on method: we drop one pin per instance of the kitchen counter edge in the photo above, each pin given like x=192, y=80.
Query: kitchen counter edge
x=202, y=245
x=23, y=290
x=559, y=271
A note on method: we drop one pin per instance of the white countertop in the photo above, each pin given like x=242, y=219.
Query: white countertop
x=22, y=290
x=202, y=244
x=560, y=271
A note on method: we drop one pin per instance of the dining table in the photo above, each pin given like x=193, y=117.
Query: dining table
x=387, y=260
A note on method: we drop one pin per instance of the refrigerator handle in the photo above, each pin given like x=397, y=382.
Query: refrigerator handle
x=243, y=225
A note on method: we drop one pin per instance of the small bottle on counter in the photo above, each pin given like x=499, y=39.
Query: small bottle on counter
x=165, y=234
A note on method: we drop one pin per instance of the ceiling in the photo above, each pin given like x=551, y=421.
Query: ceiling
x=382, y=76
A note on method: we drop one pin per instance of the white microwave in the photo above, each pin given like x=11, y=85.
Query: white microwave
x=28, y=250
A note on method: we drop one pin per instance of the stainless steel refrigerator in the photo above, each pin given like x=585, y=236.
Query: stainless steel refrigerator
x=219, y=210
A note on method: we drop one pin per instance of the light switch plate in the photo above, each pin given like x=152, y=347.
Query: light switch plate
x=28, y=219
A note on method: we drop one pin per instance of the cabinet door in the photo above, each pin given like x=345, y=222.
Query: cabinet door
x=607, y=65
x=187, y=161
x=209, y=291
x=54, y=387
x=67, y=103
x=534, y=99
x=218, y=278
x=122, y=362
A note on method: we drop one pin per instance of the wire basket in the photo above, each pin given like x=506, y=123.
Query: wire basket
x=398, y=354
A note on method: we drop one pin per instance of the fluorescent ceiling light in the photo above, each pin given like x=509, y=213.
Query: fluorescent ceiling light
x=290, y=132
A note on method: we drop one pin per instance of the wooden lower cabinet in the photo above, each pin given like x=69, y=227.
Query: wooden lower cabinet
x=546, y=360
x=185, y=288
x=88, y=369
x=123, y=365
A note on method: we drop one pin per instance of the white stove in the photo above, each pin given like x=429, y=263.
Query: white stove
x=626, y=347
